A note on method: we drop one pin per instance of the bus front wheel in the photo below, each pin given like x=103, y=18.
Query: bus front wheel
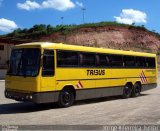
x=66, y=98
x=127, y=89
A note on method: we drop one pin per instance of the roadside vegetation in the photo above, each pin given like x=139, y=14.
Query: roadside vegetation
x=40, y=30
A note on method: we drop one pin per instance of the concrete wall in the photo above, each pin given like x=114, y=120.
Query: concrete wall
x=5, y=55
x=3, y=73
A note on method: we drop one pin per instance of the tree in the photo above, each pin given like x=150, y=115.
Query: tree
x=50, y=29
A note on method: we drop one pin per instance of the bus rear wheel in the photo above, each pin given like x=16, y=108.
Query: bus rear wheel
x=66, y=98
x=136, y=90
x=127, y=89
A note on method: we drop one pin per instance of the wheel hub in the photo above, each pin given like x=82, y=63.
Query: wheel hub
x=66, y=97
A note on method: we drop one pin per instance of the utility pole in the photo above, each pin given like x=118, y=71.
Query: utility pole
x=62, y=20
x=83, y=11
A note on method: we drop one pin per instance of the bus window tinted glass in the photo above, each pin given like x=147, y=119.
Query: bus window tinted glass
x=48, y=63
x=140, y=62
x=116, y=60
x=24, y=62
x=66, y=58
x=129, y=61
x=150, y=62
x=103, y=60
x=87, y=59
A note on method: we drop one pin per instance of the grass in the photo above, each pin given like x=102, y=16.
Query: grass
x=43, y=30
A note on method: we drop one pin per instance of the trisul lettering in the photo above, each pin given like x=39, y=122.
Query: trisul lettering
x=95, y=72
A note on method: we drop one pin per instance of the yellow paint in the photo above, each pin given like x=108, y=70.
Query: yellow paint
x=71, y=76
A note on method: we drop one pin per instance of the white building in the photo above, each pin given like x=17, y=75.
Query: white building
x=6, y=45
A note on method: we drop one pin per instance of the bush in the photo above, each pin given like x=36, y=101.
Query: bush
x=43, y=30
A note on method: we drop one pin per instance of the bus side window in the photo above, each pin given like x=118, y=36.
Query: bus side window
x=116, y=60
x=67, y=58
x=150, y=62
x=129, y=61
x=80, y=59
x=48, y=63
x=103, y=60
x=140, y=62
x=97, y=60
x=88, y=59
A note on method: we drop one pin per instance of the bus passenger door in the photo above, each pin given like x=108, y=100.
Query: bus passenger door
x=48, y=71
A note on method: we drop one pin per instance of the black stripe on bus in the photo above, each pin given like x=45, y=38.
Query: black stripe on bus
x=103, y=78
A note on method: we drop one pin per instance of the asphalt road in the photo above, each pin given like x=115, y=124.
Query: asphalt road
x=144, y=109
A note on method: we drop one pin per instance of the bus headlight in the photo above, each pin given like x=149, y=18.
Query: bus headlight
x=30, y=97
x=27, y=97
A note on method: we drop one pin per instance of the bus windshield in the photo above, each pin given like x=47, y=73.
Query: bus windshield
x=24, y=62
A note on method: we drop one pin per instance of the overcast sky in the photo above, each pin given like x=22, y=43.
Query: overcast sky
x=26, y=13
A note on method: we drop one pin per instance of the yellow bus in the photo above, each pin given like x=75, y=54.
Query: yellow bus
x=54, y=72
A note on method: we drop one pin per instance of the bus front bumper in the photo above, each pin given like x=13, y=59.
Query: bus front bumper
x=46, y=97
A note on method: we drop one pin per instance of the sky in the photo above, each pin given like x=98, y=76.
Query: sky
x=26, y=13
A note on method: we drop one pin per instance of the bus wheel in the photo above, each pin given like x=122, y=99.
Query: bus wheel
x=136, y=90
x=127, y=91
x=66, y=98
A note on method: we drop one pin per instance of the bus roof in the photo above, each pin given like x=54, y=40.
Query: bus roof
x=61, y=46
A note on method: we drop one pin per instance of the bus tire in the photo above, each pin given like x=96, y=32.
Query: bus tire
x=127, y=89
x=136, y=90
x=66, y=98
